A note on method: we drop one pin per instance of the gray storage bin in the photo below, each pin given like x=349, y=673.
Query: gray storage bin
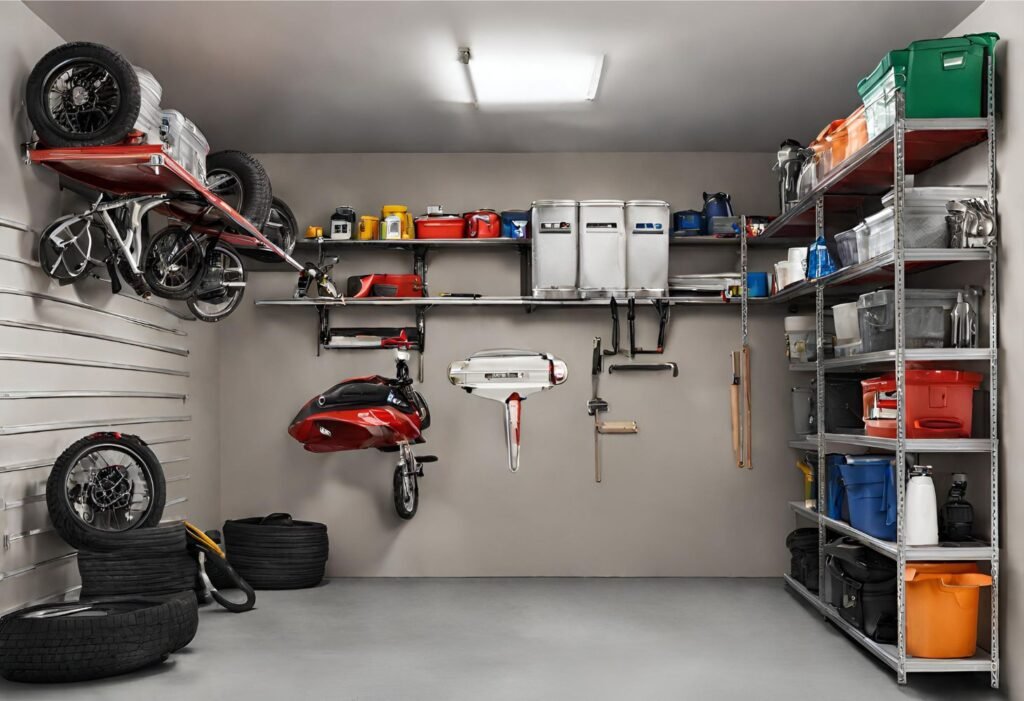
x=846, y=247
x=926, y=314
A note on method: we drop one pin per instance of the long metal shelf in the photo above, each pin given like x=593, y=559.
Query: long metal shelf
x=870, y=170
x=980, y=662
x=915, y=553
x=410, y=244
x=880, y=268
x=480, y=302
x=914, y=445
x=868, y=361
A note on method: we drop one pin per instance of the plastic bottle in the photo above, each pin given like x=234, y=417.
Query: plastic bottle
x=922, y=508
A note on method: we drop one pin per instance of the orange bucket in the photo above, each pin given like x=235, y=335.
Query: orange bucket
x=942, y=609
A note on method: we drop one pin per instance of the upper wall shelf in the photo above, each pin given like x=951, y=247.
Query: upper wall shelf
x=869, y=172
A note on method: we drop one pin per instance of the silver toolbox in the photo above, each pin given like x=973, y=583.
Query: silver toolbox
x=647, y=226
x=602, y=248
x=149, y=118
x=185, y=143
x=555, y=243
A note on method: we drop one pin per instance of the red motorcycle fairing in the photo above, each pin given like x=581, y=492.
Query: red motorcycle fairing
x=366, y=412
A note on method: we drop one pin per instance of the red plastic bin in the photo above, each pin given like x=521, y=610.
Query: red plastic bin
x=440, y=226
x=939, y=404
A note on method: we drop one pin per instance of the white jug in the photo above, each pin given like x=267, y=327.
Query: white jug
x=922, y=509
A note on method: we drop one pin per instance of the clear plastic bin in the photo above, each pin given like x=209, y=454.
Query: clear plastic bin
x=846, y=247
x=924, y=213
x=927, y=318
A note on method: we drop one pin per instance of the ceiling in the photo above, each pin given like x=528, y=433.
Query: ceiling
x=383, y=76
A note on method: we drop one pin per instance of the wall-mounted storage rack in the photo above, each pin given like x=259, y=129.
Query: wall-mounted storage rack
x=910, y=146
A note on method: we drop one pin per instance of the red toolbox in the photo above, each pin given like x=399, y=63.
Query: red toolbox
x=938, y=404
x=384, y=285
x=483, y=224
x=440, y=226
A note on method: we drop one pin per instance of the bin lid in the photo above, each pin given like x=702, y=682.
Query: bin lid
x=921, y=376
x=647, y=203
x=602, y=203
x=553, y=203
x=900, y=59
x=915, y=298
x=936, y=196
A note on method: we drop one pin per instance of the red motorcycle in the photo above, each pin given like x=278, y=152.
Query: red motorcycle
x=371, y=412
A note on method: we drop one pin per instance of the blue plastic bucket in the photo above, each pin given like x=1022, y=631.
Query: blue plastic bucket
x=870, y=485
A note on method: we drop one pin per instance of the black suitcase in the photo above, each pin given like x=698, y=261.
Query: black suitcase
x=863, y=588
x=803, y=556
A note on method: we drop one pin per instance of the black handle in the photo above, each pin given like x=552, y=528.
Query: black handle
x=220, y=566
x=597, y=360
x=645, y=367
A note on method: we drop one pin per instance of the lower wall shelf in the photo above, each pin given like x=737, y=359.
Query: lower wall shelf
x=888, y=654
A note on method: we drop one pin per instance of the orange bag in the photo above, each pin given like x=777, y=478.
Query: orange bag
x=942, y=609
x=856, y=131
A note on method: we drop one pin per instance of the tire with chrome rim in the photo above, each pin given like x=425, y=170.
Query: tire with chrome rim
x=83, y=94
x=282, y=229
x=173, y=263
x=81, y=640
x=222, y=286
x=240, y=180
x=104, y=483
x=406, y=486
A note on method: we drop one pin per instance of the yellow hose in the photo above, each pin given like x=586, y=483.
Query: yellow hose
x=196, y=534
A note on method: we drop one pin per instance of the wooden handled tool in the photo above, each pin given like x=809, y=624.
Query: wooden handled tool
x=734, y=407
x=747, y=410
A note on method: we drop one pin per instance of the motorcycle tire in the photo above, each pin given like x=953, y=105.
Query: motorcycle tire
x=66, y=520
x=282, y=229
x=277, y=551
x=92, y=76
x=114, y=574
x=79, y=641
x=179, y=279
x=240, y=180
x=64, y=266
x=146, y=542
x=184, y=621
x=211, y=302
x=405, y=508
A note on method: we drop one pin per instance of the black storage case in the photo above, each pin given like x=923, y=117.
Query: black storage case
x=844, y=405
x=863, y=588
x=803, y=556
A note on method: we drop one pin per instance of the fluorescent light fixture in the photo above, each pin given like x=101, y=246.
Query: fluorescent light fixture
x=531, y=78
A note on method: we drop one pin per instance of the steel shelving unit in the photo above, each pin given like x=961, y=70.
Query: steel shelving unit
x=910, y=146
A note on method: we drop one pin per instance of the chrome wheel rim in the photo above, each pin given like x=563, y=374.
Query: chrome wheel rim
x=225, y=270
x=226, y=185
x=109, y=488
x=176, y=260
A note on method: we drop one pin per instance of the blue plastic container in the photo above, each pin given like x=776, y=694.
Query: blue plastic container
x=870, y=484
x=688, y=222
x=836, y=505
x=757, y=284
x=515, y=224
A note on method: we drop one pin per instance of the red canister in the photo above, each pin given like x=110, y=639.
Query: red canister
x=482, y=224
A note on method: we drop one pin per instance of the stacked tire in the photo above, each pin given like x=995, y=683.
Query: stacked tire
x=145, y=562
x=82, y=640
x=277, y=551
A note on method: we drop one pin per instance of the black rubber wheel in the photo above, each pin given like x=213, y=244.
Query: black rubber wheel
x=407, y=495
x=77, y=641
x=240, y=180
x=167, y=539
x=65, y=249
x=215, y=300
x=277, y=551
x=83, y=94
x=115, y=574
x=173, y=263
x=282, y=229
x=184, y=619
x=84, y=514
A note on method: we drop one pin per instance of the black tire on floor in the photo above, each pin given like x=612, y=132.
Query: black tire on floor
x=240, y=180
x=78, y=641
x=66, y=520
x=102, y=96
x=282, y=229
x=277, y=551
x=178, y=278
x=184, y=619
x=117, y=574
x=406, y=509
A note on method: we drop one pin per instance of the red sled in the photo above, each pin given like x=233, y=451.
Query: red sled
x=384, y=285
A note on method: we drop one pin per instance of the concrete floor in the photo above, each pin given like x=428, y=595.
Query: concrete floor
x=519, y=639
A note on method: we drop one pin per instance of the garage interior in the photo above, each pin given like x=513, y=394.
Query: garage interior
x=664, y=532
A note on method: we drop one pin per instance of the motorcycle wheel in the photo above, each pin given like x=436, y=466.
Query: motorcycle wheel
x=406, y=491
x=83, y=94
x=65, y=249
x=281, y=229
x=103, y=483
x=222, y=285
x=173, y=263
x=240, y=180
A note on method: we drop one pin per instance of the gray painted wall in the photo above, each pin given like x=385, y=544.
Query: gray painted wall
x=672, y=502
x=29, y=199
x=1008, y=19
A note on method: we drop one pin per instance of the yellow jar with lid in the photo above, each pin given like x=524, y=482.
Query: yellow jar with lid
x=402, y=212
x=368, y=226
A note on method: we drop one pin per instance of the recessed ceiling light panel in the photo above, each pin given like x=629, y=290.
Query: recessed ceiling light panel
x=534, y=78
